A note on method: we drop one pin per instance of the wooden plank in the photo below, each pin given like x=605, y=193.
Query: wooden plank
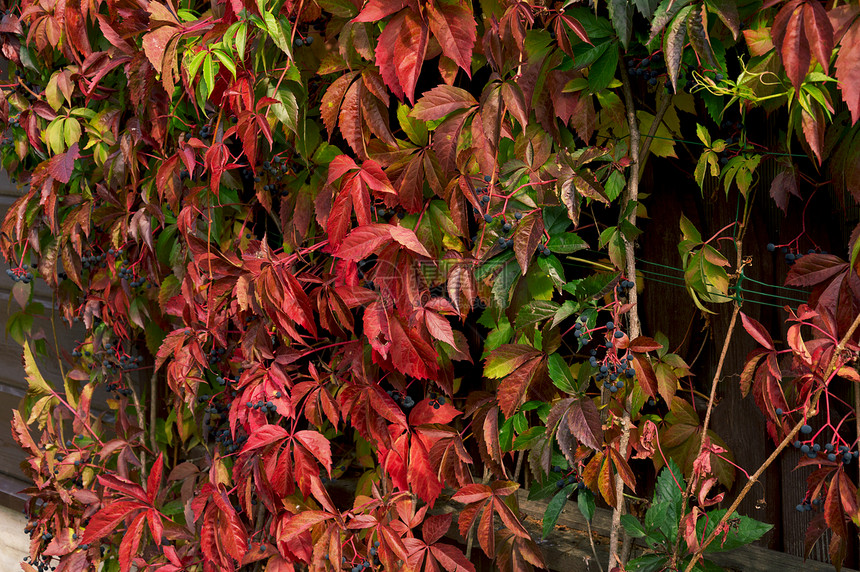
x=744, y=559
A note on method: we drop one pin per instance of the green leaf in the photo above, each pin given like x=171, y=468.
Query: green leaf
x=621, y=12
x=209, y=74
x=287, y=108
x=543, y=489
x=566, y=243
x=703, y=135
x=226, y=61
x=559, y=373
x=668, y=489
x=280, y=32
x=742, y=530
x=527, y=438
x=585, y=502
x=632, y=525
x=664, y=14
x=535, y=312
x=648, y=563
x=241, y=39
x=71, y=131
x=416, y=130
x=506, y=435
x=553, y=509
x=603, y=70
x=194, y=65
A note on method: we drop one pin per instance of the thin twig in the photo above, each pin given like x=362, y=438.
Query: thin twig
x=593, y=548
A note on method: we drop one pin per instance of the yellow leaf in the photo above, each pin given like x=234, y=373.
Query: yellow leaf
x=37, y=384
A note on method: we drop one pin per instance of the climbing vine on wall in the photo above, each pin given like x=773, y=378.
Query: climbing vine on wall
x=328, y=256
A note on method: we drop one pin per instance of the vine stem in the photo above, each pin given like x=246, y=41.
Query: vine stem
x=736, y=310
x=813, y=403
x=631, y=194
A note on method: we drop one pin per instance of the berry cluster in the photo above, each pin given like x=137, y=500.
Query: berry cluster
x=205, y=131
x=830, y=450
x=306, y=41
x=42, y=563
x=649, y=68
x=792, y=254
x=94, y=261
x=215, y=355
x=360, y=563
x=224, y=438
x=264, y=407
x=382, y=213
x=568, y=478
x=404, y=401
x=248, y=175
x=20, y=274
x=807, y=506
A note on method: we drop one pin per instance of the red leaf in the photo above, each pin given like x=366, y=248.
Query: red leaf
x=623, y=469
x=153, y=482
x=453, y=26
x=512, y=390
x=377, y=329
x=61, y=166
x=400, y=53
x=349, y=120
x=440, y=101
x=105, y=521
x=819, y=32
x=301, y=522
x=848, y=70
x=422, y=478
x=584, y=421
x=645, y=374
x=265, y=436
x=364, y=240
x=487, y=533
x=833, y=508
x=376, y=10
x=130, y=542
x=757, y=331
x=815, y=269
x=424, y=413
x=472, y=493
x=526, y=238
x=794, y=48
x=318, y=445
x=409, y=353
x=407, y=238
x=330, y=105
x=644, y=344
x=124, y=486
x=813, y=130
x=439, y=328
x=783, y=184
x=435, y=527
x=506, y=358
x=451, y=558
